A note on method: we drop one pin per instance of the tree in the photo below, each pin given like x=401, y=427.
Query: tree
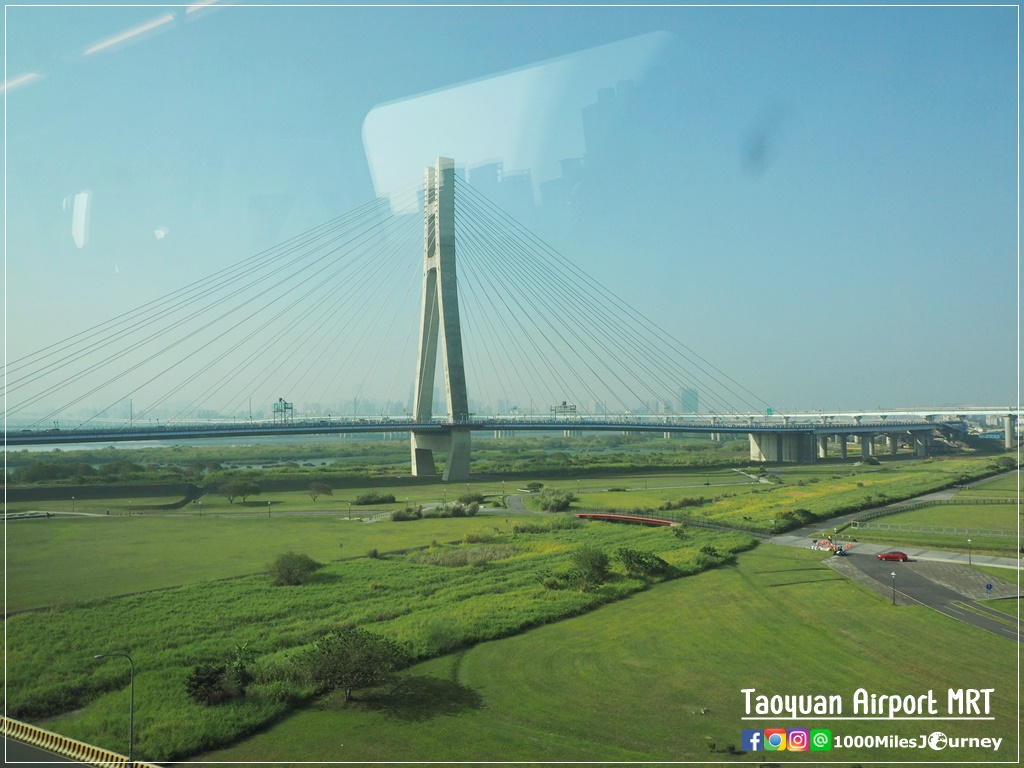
x=291, y=569
x=249, y=488
x=235, y=488
x=239, y=661
x=319, y=489
x=354, y=658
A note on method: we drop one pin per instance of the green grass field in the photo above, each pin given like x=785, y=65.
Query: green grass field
x=777, y=620
x=821, y=490
x=1005, y=487
x=977, y=517
x=982, y=517
x=63, y=561
x=658, y=677
x=429, y=608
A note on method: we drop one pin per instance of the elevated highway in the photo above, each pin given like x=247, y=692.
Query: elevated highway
x=795, y=437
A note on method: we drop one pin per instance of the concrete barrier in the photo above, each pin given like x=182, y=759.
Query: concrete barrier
x=72, y=748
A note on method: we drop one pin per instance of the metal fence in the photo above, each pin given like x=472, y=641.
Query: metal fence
x=861, y=525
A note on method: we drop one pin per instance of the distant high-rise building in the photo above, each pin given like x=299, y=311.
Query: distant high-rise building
x=689, y=400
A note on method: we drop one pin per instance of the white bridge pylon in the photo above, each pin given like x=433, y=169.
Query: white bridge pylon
x=440, y=322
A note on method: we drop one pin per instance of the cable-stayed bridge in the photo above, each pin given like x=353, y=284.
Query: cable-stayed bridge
x=357, y=309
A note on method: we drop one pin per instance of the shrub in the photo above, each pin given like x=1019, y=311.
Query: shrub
x=208, y=684
x=402, y=515
x=638, y=563
x=553, y=500
x=373, y=554
x=477, y=537
x=455, y=557
x=590, y=567
x=469, y=498
x=291, y=569
x=375, y=498
x=557, y=523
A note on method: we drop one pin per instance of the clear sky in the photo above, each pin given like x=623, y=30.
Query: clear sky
x=822, y=201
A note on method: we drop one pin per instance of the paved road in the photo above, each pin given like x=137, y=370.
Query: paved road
x=949, y=588
x=15, y=752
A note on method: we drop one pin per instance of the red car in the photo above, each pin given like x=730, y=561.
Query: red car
x=894, y=555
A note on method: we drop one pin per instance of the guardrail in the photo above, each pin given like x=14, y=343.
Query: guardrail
x=68, y=747
x=859, y=523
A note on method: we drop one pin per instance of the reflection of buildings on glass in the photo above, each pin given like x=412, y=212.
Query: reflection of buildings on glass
x=689, y=400
x=606, y=123
x=512, y=191
x=608, y=133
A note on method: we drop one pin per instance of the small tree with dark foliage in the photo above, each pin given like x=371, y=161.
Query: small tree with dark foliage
x=291, y=569
x=206, y=684
x=354, y=658
x=319, y=489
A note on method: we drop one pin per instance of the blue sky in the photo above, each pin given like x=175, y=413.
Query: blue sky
x=822, y=201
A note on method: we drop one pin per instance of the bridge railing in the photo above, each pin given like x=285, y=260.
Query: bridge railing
x=71, y=748
x=671, y=515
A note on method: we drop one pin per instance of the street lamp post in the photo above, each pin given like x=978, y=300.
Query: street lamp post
x=969, y=552
x=893, y=574
x=73, y=507
x=131, y=702
x=268, y=509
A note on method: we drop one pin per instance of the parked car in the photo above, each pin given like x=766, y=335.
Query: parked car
x=894, y=555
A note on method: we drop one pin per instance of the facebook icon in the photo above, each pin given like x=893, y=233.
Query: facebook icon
x=751, y=741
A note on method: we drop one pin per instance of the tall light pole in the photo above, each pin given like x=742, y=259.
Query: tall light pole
x=131, y=702
x=893, y=574
x=73, y=508
x=969, y=552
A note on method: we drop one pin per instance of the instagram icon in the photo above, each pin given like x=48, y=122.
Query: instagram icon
x=797, y=739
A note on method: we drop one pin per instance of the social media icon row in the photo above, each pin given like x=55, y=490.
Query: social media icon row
x=791, y=739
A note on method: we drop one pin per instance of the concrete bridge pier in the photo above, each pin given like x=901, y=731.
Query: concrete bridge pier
x=457, y=444
x=921, y=442
x=572, y=432
x=1009, y=431
x=893, y=441
x=822, y=446
x=790, y=447
x=867, y=445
